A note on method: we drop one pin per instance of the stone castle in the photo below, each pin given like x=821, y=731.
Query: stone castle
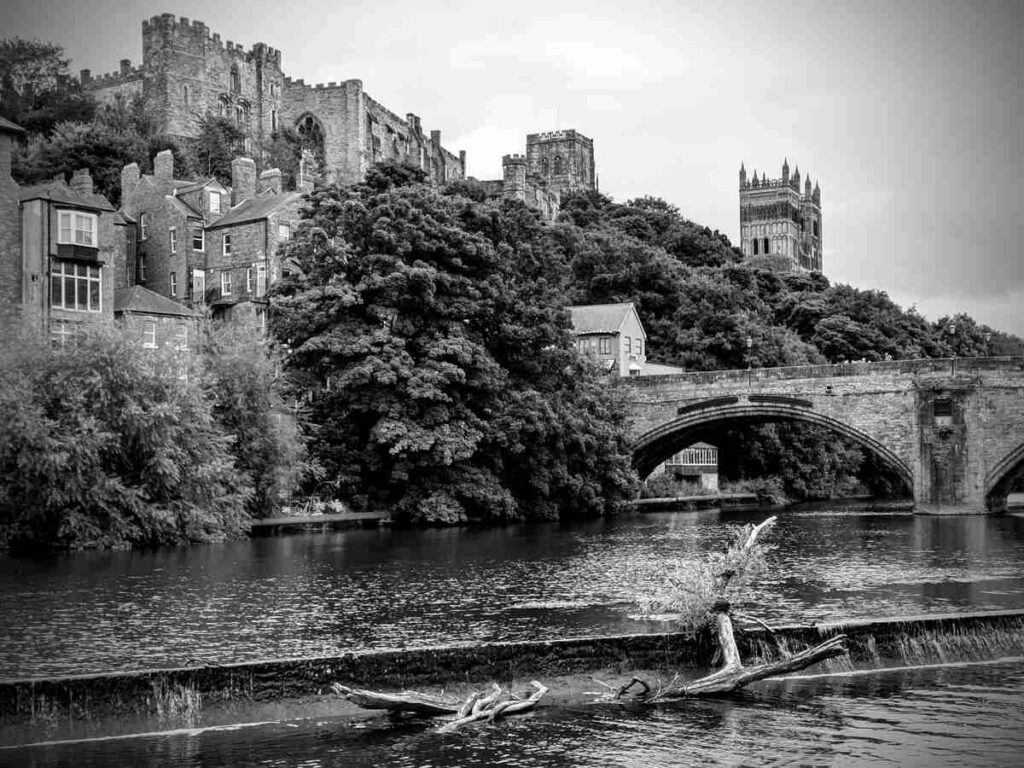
x=776, y=218
x=188, y=72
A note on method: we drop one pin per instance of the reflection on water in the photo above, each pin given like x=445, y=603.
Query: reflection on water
x=326, y=593
x=953, y=716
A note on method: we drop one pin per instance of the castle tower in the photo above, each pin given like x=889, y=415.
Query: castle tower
x=776, y=218
x=514, y=169
x=563, y=160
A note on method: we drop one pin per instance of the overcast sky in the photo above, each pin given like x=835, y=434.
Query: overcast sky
x=908, y=112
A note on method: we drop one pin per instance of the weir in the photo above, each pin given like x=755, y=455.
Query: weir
x=907, y=641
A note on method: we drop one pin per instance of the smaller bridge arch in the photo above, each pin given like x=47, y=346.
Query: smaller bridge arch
x=999, y=479
x=695, y=419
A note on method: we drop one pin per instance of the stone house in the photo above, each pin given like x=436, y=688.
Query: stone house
x=169, y=218
x=243, y=252
x=613, y=335
x=59, y=247
x=154, y=321
x=697, y=464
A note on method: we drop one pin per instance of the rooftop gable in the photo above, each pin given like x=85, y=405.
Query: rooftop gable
x=603, y=318
x=58, y=191
x=256, y=209
x=142, y=301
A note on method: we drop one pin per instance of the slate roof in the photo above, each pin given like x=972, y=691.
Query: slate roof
x=59, y=192
x=255, y=209
x=183, y=207
x=193, y=186
x=8, y=127
x=142, y=301
x=600, y=318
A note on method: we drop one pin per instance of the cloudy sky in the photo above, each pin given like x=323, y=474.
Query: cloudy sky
x=908, y=112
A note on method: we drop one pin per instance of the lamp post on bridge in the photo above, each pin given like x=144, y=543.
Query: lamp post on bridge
x=951, y=329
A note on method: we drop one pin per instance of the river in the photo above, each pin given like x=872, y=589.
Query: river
x=320, y=593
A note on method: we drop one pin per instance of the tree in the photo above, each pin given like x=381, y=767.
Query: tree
x=36, y=90
x=239, y=377
x=216, y=144
x=449, y=389
x=105, y=445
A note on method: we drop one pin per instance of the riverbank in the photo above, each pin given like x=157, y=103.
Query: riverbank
x=76, y=706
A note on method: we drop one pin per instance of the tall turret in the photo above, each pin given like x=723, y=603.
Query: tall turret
x=796, y=179
x=743, y=176
x=785, y=171
x=817, y=193
x=807, y=186
x=514, y=168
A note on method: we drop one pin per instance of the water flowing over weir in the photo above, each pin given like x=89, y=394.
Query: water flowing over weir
x=873, y=645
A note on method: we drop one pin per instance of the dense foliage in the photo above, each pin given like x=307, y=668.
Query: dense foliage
x=106, y=444
x=442, y=376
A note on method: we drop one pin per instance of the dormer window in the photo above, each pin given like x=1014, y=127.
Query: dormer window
x=77, y=228
x=214, y=202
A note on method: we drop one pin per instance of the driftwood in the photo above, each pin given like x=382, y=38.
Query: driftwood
x=478, y=706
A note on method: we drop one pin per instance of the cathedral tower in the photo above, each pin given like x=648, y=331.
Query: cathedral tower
x=563, y=160
x=776, y=217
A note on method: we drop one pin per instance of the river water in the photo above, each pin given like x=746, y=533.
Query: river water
x=314, y=594
x=326, y=593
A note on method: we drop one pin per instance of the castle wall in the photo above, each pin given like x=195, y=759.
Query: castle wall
x=338, y=107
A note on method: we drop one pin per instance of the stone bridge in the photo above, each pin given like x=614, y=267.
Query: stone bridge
x=953, y=429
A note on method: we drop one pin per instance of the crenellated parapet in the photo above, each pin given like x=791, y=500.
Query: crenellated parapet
x=194, y=36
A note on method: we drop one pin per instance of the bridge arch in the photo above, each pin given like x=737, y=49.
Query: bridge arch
x=1000, y=478
x=695, y=420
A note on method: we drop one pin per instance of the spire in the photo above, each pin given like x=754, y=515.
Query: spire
x=817, y=193
x=743, y=176
x=755, y=183
x=807, y=186
x=764, y=181
x=785, y=171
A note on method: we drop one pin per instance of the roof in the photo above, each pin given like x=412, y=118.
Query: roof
x=193, y=186
x=602, y=318
x=6, y=126
x=183, y=207
x=256, y=209
x=59, y=192
x=142, y=301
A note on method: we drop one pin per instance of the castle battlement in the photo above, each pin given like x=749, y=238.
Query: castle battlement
x=330, y=86
x=123, y=75
x=514, y=159
x=199, y=34
x=568, y=133
x=777, y=218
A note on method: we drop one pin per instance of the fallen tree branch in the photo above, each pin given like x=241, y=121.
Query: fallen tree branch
x=406, y=701
x=496, y=706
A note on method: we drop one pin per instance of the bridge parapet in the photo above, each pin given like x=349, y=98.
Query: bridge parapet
x=918, y=367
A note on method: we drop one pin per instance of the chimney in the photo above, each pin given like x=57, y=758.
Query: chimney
x=435, y=138
x=81, y=181
x=126, y=65
x=163, y=166
x=243, y=179
x=129, y=180
x=270, y=181
x=86, y=77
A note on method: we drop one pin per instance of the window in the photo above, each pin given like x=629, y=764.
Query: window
x=639, y=346
x=198, y=240
x=227, y=245
x=236, y=79
x=627, y=344
x=222, y=107
x=225, y=283
x=558, y=165
x=248, y=279
x=75, y=286
x=77, y=228
x=261, y=279
x=606, y=345
x=755, y=246
x=174, y=284
x=198, y=284
x=172, y=234
x=142, y=267
x=181, y=337
x=184, y=94
x=765, y=245
x=239, y=116
x=214, y=202
x=816, y=229
x=62, y=334
x=149, y=334
x=143, y=227
x=545, y=167
x=284, y=231
x=943, y=406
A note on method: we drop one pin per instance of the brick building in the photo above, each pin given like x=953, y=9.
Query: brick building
x=775, y=218
x=59, y=247
x=188, y=72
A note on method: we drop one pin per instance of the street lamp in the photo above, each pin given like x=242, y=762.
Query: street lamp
x=988, y=341
x=750, y=344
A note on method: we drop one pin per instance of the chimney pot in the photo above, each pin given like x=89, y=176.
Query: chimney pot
x=270, y=181
x=163, y=165
x=81, y=181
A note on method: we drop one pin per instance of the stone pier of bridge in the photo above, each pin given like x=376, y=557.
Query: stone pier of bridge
x=952, y=429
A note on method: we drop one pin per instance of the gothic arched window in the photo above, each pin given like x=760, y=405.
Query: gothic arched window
x=558, y=166
x=236, y=79
x=545, y=167
x=311, y=133
x=222, y=106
